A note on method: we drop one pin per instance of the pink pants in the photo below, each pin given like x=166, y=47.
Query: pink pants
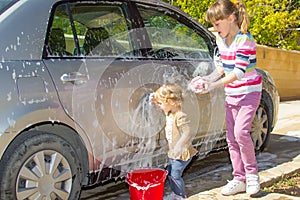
x=240, y=111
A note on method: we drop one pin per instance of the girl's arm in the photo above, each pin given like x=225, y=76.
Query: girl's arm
x=215, y=75
x=209, y=86
x=183, y=125
x=222, y=82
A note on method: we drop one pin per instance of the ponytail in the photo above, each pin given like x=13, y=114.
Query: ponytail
x=242, y=17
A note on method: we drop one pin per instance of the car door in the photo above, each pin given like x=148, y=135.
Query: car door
x=184, y=50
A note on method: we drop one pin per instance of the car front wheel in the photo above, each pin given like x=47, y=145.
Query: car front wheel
x=40, y=166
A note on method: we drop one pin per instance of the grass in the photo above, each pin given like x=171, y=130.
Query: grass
x=289, y=185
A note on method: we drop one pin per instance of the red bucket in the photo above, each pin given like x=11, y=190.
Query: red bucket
x=146, y=184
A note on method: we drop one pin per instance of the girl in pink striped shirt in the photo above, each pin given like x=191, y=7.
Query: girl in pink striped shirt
x=243, y=86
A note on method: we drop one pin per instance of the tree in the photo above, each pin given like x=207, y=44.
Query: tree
x=274, y=23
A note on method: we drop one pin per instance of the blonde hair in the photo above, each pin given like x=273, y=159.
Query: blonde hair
x=169, y=93
x=222, y=9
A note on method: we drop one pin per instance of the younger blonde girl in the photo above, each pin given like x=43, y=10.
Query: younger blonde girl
x=169, y=99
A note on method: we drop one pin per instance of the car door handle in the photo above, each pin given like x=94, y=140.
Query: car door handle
x=74, y=77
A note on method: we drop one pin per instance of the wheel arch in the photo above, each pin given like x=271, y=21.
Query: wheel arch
x=68, y=134
x=269, y=106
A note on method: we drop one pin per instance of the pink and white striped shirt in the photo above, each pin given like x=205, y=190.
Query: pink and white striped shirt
x=240, y=58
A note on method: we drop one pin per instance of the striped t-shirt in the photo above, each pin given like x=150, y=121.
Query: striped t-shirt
x=240, y=58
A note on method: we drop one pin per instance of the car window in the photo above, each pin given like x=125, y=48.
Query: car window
x=101, y=30
x=5, y=4
x=61, y=39
x=170, y=38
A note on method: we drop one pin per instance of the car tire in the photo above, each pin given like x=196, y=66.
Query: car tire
x=261, y=127
x=39, y=164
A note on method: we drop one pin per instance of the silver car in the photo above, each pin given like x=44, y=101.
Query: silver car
x=75, y=82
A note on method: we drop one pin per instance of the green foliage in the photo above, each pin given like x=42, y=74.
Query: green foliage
x=195, y=8
x=273, y=22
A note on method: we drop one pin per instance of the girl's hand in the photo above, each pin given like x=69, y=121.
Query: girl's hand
x=177, y=152
x=208, y=87
x=198, y=85
x=179, y=149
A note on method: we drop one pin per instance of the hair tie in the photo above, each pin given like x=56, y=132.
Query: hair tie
x=235, y=3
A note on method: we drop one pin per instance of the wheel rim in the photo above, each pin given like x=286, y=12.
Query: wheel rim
x=259, y=130
x=45, y=175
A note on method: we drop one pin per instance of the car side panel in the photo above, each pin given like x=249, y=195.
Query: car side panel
x=29, y=98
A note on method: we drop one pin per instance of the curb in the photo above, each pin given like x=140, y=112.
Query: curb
x=274, y=174
x=267, y=178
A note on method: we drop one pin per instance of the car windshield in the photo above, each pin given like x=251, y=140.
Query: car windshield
x=5, y=4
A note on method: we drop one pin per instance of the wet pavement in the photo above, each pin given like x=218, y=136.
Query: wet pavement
x=204, y=178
